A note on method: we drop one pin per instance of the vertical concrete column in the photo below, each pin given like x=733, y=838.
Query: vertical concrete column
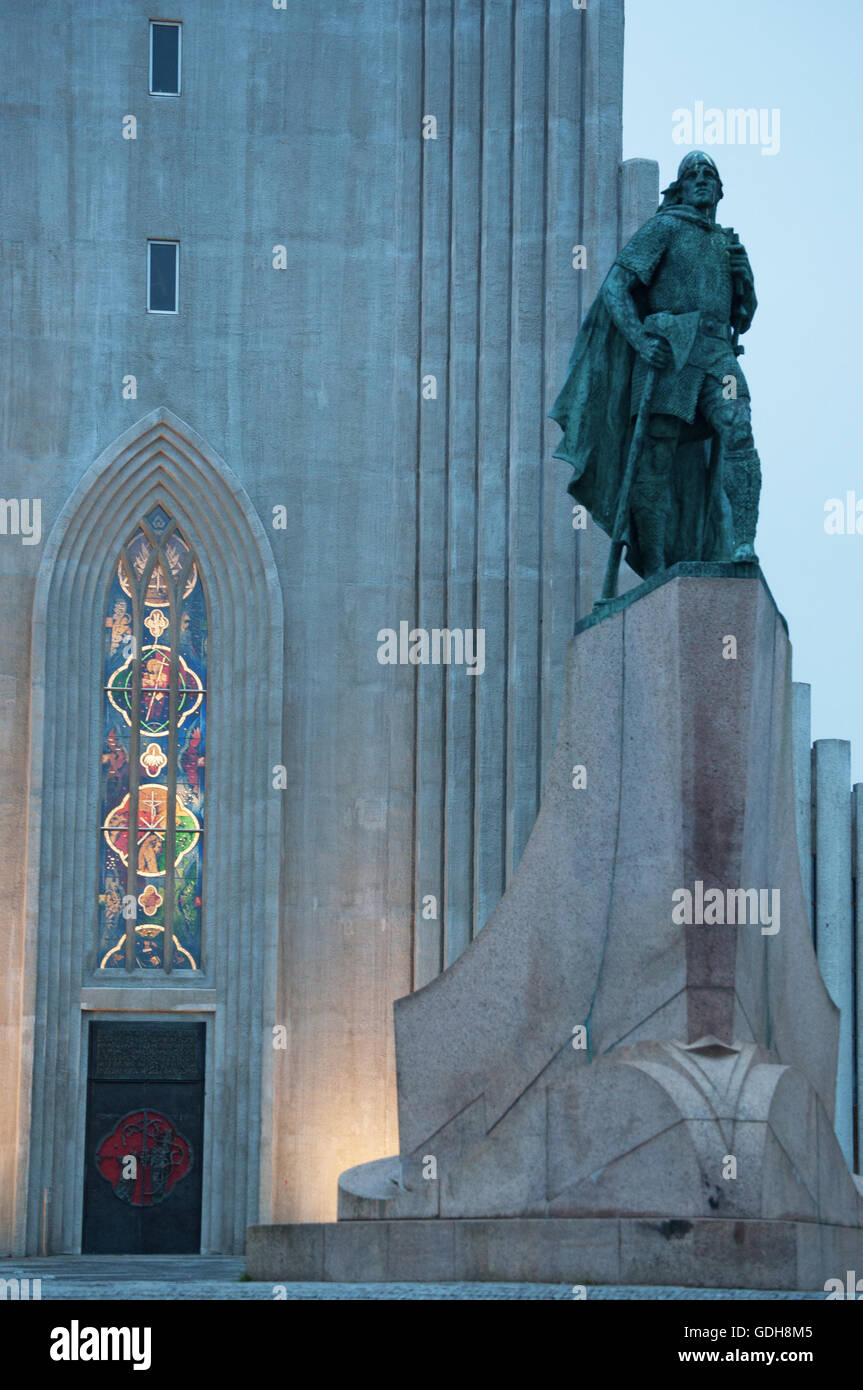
x=833, y=917
x=432, y=478
x=524, y=169
x=801, y=751
x=493, y=443
x=524, y=539
x=563, y=294
x=857, y=870
x=600, y=223
x=639, y=194
x=461, y=539
x=15, y=1040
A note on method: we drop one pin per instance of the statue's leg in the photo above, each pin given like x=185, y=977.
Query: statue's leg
x=650, y=501
x=741, y=466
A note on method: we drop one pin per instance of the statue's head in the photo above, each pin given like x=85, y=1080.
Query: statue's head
x=697, y=184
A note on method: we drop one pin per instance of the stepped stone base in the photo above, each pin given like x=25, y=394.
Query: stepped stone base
x=601, y=1089
x=795, y=1255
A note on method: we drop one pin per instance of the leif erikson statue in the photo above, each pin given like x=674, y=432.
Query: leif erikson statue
x=655, y=409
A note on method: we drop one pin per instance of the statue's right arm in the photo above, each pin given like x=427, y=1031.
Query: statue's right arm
x=618, y=296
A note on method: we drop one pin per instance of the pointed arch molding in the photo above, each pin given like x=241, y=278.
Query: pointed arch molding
x=160, y=459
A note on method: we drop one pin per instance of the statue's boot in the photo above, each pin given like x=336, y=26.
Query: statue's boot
x=650, y=525
x=742, y=482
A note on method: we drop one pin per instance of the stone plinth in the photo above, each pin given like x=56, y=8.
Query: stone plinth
x=693, y=1133
x=557, y=1250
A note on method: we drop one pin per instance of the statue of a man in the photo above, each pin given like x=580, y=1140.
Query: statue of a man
x=655, y=409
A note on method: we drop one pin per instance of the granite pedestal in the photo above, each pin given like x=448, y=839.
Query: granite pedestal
x=603, y=1089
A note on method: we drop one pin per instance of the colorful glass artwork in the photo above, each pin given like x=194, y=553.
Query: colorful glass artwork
x=153, y=755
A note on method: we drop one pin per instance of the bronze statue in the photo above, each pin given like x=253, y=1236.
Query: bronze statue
x=655, y=409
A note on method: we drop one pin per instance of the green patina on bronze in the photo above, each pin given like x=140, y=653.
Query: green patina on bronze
x=655, y=410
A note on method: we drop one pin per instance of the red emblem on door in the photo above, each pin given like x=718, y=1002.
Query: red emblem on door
x=143, y=1158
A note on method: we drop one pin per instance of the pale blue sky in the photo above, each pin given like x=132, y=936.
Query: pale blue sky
x=795, y=213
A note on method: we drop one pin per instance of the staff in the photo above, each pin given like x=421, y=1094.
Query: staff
x=609, y=588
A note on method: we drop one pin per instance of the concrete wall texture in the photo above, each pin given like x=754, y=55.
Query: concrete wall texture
x=830, y=841
x=405, y=258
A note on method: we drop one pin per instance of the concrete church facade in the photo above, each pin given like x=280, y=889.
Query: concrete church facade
x=388, y=220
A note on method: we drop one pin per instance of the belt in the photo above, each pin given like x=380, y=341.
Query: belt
x=712, y=327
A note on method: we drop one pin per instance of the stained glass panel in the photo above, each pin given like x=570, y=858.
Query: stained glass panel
x=153, y=753
x=118, y=628
x=190, y=770
x=187, y=911
x=193, y=632
x=158, y=520
x=115, y=761
x=112, y=923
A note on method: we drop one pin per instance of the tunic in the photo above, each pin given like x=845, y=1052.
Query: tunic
x=681, y=260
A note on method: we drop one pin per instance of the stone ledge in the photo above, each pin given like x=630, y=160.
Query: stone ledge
x=684, y=569
x=152, y=999
x=782, y=1255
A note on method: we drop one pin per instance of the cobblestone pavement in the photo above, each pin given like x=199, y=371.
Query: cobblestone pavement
x=160, y=1277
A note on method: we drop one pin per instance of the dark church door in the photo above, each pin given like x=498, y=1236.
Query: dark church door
x=145, y=1121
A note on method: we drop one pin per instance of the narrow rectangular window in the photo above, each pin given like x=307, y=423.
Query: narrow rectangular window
x=163, y=276
x=165, y=44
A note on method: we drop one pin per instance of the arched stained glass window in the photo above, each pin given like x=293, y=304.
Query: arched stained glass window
x=153, y=733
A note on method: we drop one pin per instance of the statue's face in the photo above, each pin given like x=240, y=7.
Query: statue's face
x=700, y=186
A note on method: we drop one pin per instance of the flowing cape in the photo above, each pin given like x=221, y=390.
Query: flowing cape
x=594, y=412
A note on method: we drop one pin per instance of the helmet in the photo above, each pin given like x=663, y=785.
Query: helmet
x=671, y=194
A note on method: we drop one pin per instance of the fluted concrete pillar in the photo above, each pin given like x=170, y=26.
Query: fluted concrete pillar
x=639, y=194
x=857, y=870
x=833, y=917
x=801, y=736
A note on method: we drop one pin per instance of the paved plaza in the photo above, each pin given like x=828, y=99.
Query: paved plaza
x=160, y=1277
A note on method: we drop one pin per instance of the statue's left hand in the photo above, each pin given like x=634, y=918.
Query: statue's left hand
x=740, y=262
x=742, y=319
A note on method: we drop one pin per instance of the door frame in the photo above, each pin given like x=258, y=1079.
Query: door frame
x=143, y=1015
x=200, y=1156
